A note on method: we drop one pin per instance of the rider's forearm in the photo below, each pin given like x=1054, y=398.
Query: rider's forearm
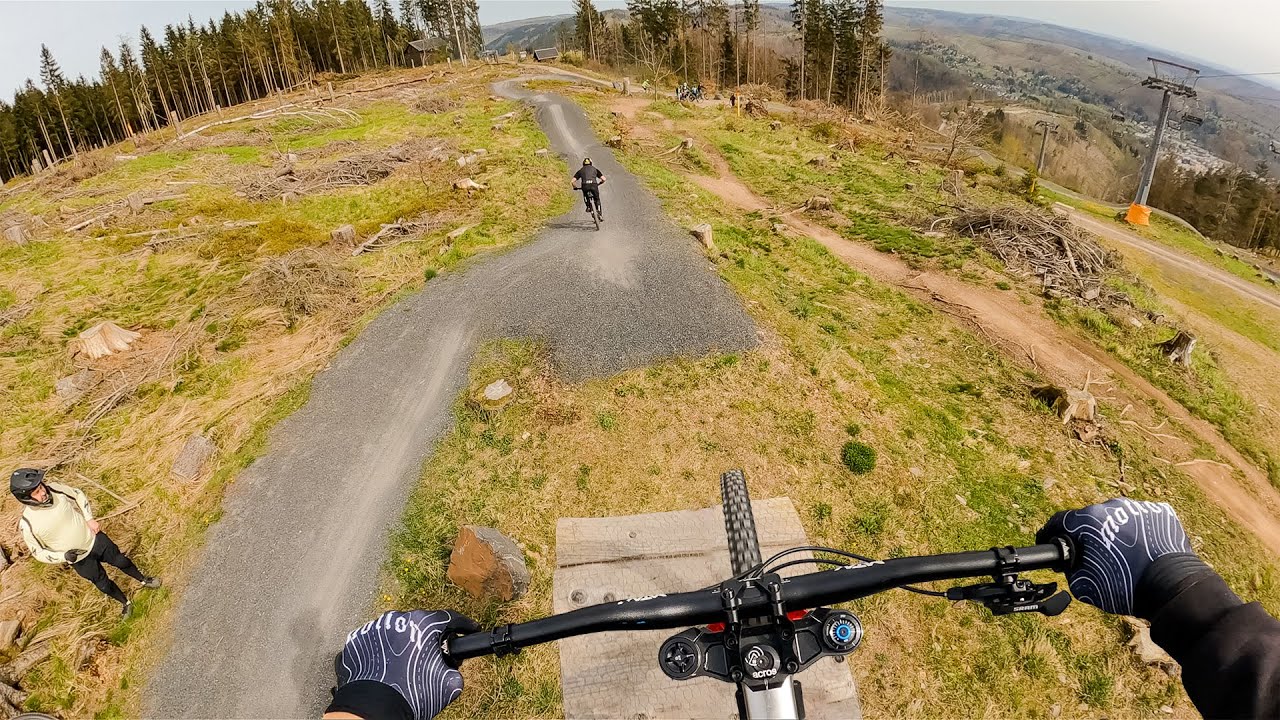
x=370, y=700
x=1229, y=651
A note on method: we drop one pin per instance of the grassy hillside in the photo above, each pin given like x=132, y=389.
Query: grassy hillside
x=239, y=296
x=963, y=457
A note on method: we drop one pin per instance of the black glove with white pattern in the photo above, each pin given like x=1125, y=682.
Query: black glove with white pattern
x=1116, y=541
x=394, y=666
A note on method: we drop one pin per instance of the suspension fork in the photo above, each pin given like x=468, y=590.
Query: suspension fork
x=782, y=701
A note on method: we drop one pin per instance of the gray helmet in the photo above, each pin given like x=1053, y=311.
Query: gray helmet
x=23, y=482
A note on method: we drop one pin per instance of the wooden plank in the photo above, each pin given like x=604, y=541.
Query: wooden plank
x=581, y=541
x=616, y=675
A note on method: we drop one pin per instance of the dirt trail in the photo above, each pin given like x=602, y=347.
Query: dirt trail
x=1169, y=257
x=293, y=564
x=1032, y=338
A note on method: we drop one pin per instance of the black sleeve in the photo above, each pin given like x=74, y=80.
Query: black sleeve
x=371, y=700
x=578, y=175
x=1229, y=650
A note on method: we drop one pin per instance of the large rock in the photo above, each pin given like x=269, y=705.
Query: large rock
x=488, y=564
x=191, y=460
x=17, y=235
x=1145, y=648
x=72, y=388
x=9, y=630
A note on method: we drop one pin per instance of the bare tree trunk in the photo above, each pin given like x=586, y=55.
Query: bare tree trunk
x=57, y=96
x=457, y=37
x=342, y=63
x=831, y=74
x=124, y=121
x=804, y=57
x=208, y=87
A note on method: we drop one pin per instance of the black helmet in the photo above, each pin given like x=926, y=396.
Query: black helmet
x=586, y=161
x=23, y=482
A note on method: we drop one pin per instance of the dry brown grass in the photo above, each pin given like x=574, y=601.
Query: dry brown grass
x=258, y=309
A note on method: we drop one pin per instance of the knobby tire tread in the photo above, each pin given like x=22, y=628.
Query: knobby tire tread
x=739, y=522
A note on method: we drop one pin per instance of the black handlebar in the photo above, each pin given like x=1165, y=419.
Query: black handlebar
x=802, y=592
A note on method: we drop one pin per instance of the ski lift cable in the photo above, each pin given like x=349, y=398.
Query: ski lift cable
x=1248, y=74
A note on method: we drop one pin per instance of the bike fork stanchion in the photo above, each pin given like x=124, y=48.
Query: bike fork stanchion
x=785, y=701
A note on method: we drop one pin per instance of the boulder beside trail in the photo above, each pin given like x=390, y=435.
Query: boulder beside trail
x=9, y=630
x=191, y=460
x=704, y=234
x=488, y=564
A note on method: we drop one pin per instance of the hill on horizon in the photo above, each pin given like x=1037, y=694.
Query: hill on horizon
x=1023, y=59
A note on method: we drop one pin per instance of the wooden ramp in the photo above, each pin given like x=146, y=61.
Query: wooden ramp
x=616, y=675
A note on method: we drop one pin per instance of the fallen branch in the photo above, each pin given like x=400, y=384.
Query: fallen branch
x=121, y=510
x=13, y=673
x=398, y=232
x=100, y=487
x=1161, y=436
x=281, y=111
x=90, y=221
x=1203, y=461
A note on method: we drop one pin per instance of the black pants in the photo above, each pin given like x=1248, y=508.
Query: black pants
x=90, y=567
x=592, y=193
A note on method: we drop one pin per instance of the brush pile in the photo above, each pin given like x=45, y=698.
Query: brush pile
x=1068, y=260
x=351, y=171
x=302, y=282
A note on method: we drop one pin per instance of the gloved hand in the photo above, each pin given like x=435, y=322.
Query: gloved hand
x=400, y=652
x=72, y=556
x=1116, y=542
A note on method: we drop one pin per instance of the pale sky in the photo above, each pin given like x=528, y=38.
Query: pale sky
x=1239, y=34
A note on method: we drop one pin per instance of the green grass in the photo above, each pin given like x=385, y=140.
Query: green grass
x=1205, y=389
x=949, y=418
x=248, y=365
x=1174, y=235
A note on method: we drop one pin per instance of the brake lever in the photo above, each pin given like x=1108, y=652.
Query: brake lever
x=1016, y=595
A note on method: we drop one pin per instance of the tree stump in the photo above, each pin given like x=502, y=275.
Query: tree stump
x=105, y=338
x=819, y=203
x=344, y=235
x=614, y=142
x=1178, y=348
x=1069, y=403
x=468, y=184
x=704, y=234
x=197, y=450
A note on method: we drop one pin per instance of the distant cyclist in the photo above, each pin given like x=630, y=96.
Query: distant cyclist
x=589, y=179
x=1134, y=559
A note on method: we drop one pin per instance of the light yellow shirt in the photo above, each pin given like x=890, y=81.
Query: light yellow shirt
x=52, y=530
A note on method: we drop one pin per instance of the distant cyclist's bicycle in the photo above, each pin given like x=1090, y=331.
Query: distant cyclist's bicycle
x=593, y=209
x=758, y=629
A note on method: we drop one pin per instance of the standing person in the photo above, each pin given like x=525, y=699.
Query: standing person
x=589, y=179
x=58, y=526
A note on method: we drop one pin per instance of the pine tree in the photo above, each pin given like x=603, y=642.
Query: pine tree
x=587, y=22
x=388, y=30
x=111, y=77
x=55, y=84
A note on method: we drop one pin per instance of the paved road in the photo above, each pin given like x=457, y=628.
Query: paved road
x=1246, y=289
x=294, y=562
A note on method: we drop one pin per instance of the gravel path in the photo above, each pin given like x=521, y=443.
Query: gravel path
x=294, y=562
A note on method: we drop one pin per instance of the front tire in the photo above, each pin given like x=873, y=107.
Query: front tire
x=739, y=522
